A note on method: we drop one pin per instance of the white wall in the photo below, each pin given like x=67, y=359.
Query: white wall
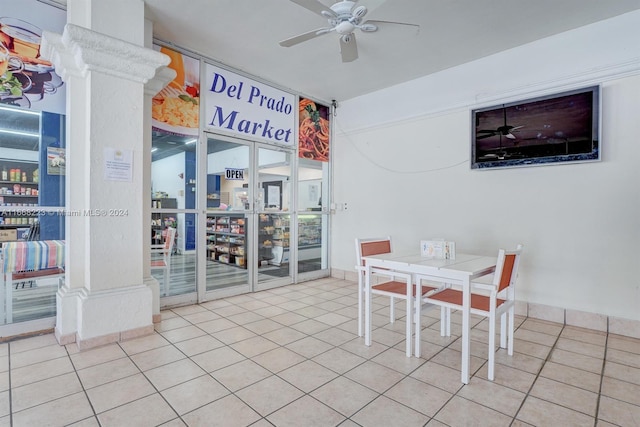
x=165, y=177
x=402, y=164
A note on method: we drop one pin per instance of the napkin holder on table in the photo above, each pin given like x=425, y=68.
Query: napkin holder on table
x=438, y=249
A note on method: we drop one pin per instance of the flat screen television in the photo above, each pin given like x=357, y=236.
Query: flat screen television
x=559, y=128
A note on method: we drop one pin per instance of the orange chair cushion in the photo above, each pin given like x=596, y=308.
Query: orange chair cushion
x=158, y=263
x=399, y=288
x=507, y=271
x=375, y=247
x=478, y=302
x=24, y=275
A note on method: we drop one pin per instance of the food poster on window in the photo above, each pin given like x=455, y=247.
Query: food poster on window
x=26, y=79
x=313, y=131
x=176, y=108
x=243, y=107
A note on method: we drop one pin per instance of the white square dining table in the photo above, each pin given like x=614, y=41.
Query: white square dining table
x=460, y=271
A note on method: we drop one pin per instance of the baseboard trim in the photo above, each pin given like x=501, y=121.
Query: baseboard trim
x=94, y=342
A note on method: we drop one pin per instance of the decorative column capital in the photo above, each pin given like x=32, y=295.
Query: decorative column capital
x=79, y=50
x=161, y=79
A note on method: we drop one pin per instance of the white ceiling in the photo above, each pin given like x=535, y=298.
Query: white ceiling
x=244, y=35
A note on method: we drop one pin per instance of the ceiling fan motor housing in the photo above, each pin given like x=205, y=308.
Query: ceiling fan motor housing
x=345, y=27
x=346, y=18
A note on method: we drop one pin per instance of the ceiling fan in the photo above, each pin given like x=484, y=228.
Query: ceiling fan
x=504, y=130
x=344, y=18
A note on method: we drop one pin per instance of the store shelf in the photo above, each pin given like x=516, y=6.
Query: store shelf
x=18, y=197
x=161, y=220
x=309, y=231
x=226, y=241
x=274, y=228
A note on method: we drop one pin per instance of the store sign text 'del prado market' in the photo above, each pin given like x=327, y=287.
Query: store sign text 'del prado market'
x=241, y=106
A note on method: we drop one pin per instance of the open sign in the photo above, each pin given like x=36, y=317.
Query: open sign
x=234, y=174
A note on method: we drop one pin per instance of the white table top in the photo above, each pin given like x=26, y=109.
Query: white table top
x=463, y=264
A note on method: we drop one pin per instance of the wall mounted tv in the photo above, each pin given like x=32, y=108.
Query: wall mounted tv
x=558, y=128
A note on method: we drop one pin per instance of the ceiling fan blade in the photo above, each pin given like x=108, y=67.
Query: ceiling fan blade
x=316, y=7
x=382, y=24
x=348, y=48
x=292, y=41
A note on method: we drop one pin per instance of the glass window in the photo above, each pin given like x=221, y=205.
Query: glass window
x=32, y=183
x=173, y=187
x=313, y=248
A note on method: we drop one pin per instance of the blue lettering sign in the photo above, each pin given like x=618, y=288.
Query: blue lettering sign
x=263, y=129
x=220, y=84
x=268, y=102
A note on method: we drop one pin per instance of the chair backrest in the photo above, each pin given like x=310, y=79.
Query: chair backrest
x=34, y=231
x=507, y=268
x=170, y=237
x=366, y=247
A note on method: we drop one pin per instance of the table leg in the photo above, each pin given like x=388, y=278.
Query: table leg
x=367, y=305
x=409, y=320
x=466, y=308
x=418, y=314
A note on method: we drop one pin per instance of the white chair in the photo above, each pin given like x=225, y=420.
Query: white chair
x=497, y=298
x=400, y=285
x=163, y=262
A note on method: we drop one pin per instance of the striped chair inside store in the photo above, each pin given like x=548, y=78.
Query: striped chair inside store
x=23, y=263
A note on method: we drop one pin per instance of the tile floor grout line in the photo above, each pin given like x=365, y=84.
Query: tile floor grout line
x=604, y=363
x=273, y=374
x=336, y=341
x=10, y=387
x=456, y=394
x=84, y=389
x=157, y=391
x=528, y=393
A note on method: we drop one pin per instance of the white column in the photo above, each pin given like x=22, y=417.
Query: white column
x=104, y=298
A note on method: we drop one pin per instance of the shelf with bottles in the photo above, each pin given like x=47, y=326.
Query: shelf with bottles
x=19, y=181
x=17, y=220
x=226, y=241
x=19, y=171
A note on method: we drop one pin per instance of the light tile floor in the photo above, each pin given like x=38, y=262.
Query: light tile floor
x=291, y=357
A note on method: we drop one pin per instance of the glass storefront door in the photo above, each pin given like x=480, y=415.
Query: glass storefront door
x=313, y=219
x=273, y=206
x=173, y=202
x=228, y=195
x=237, y=227
x=247, y=224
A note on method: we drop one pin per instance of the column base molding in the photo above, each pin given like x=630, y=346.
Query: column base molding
x=93, y=319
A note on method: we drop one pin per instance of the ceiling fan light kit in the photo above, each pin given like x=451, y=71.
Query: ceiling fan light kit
x=344, y=17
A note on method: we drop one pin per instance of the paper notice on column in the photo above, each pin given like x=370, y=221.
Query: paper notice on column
x=118, y=164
